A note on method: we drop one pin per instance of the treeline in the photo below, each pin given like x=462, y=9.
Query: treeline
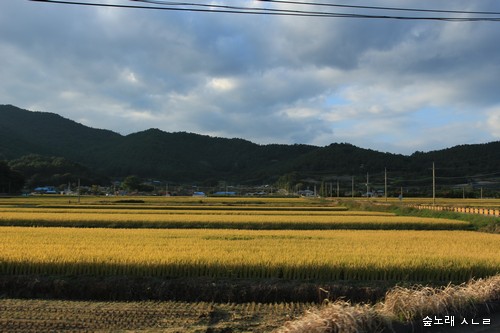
x=32, y=170
x=46, y=170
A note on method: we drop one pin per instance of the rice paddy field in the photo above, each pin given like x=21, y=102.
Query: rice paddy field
x=365, y=255
x=221, y=219
x=250, y=241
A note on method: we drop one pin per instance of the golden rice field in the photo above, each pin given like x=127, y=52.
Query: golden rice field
x=364, y=255
x=236, y=238
x=239, y=201
x=231, y=219
x=106, y=245
x=163, y=201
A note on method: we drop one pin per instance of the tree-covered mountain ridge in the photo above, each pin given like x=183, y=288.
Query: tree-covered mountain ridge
x=189, y=157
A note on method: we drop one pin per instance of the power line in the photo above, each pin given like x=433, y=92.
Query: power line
x=227, y=9
x=264, y=10
x=333, y=14
x=171, y=3
x=383, y=8
x=175, y=6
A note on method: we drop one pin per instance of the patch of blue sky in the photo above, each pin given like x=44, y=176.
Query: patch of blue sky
x=433, y=117
x=335, y=100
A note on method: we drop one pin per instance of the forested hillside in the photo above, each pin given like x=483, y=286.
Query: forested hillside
x=98, y=155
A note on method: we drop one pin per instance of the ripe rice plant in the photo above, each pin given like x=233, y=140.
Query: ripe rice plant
x=400, y=305
x=419, y=301
x=182, y=210
x=222, y=219
x=366, y=255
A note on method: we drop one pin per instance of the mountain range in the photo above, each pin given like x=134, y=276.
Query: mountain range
x=188, y=157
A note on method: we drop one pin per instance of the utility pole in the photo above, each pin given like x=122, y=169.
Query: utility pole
x=367, y=185
x=385, y=183
x=433, y=184
x=352, y=187
x=338, y=189
x=78, y=190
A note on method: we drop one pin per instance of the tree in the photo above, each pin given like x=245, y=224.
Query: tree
x=132, y=183
x=11, y=181
x=49, y=170
x=287, y=181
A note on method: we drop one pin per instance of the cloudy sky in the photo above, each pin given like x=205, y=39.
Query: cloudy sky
x=390, y=85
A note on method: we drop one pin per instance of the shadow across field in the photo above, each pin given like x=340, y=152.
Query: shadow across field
x=187, y=289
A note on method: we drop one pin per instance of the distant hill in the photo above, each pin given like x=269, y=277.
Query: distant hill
x=24, y=132
x=187, y=157
x=152, y=153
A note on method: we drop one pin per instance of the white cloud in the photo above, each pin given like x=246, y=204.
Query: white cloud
x=222, y=84
x=70, y=95
x=301, y=112
x=129, y=76
x=493, y=122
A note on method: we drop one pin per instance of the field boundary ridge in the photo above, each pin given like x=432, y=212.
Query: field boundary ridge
x=464, y=210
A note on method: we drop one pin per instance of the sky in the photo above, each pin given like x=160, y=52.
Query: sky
x=390, y=85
